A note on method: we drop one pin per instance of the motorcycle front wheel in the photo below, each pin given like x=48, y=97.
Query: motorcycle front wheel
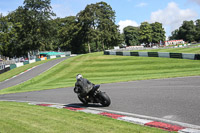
x=104, y=99
x=85, y=102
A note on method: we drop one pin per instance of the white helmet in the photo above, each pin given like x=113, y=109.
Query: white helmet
x=78, y=76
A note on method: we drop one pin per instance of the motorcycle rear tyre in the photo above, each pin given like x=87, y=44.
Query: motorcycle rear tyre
x=104, y=99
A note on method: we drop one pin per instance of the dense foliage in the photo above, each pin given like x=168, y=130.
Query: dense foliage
x=189, y=31
x=31, y=28
x=131, y=35
x=34, y=27
x=147, y=33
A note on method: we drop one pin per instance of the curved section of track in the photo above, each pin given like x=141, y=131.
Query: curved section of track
x=30, y=74
x=175, y=99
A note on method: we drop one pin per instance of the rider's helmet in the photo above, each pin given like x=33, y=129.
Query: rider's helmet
x=79, y=76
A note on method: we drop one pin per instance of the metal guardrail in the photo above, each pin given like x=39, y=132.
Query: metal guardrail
x=2, y=67
x=16, y=61
x=9, y=62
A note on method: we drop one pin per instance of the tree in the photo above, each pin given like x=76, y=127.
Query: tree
x=97, y=23
x=145, y=33
x=131, y=35
x=31, y=28
x=35, y=29
x=197, y=26
x=174, y=35
x=158, y=32
x=8, y=37
x=109, y=32
x=187, y=31
x=70, y=35
x=88, y=20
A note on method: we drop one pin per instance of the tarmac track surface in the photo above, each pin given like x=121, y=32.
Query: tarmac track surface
x=176, y=99
x=30, y=74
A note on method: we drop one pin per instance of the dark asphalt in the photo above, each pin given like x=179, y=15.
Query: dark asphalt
x=30, y=74
x=176, y=99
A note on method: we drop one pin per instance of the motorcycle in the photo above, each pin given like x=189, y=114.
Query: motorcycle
x=95, y=96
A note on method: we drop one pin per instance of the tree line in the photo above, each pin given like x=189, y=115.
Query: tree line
x=189, y=31
x=33, y=27
x=146, y=33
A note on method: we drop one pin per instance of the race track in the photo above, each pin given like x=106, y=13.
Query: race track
x=30, y=74
x=176, y=99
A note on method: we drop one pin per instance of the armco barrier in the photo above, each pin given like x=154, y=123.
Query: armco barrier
x=197, y=57
x=126, y=53
x=12, y=66
x=106, y=52
x=112, y=53
x=26, y=62
x=143, y=54
x=152, y=54
x=31, y=61
x=188, y=56
x=175, y=55
x=52, y=56
x=134, y=53
x=5, y=70
x=163, y=54
x=119, y=53
x=156, y=54
x=62, y=55
x=19, y=64
x=38, y=59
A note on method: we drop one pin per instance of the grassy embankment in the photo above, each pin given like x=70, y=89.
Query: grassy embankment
x=99, y=68
x=24, y=118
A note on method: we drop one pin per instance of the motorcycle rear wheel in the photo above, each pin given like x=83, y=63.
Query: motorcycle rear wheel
x=104, y=99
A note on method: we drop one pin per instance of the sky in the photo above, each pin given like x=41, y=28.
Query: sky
x=171, y=13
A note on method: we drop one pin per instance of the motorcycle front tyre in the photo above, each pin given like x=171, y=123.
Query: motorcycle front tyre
x=85, y=102
x=104, y=99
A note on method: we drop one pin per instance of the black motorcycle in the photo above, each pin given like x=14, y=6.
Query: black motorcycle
x=95, y=96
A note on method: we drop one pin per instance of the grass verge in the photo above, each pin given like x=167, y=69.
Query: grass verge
x=21, y=69
x=24, y=118
x=99, y=69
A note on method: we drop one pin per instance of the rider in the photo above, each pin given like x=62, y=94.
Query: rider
x=82, y=86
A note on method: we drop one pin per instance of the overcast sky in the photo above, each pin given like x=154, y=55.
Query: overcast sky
x=171, y=13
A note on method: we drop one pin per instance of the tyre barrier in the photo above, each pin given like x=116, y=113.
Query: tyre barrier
x=153, y=54
x=156, y=54
x=133, y=53
x=4, y=70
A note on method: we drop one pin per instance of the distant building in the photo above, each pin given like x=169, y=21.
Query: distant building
x=174, y=42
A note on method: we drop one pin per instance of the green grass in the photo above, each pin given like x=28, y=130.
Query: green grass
x=99, y=69
x=174, y=50
x=24, y=118
x=21, y=69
